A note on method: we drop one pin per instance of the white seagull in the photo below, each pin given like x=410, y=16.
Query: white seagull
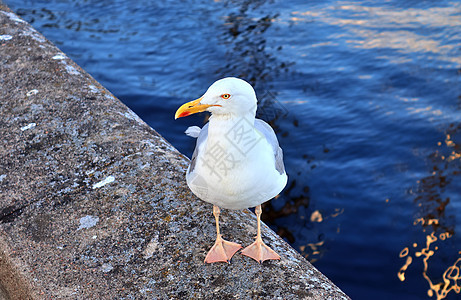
x=237, y=162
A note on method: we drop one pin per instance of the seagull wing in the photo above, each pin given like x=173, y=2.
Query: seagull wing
x=271, y=138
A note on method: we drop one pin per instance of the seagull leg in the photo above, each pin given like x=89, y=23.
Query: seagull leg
x=222, y=250
x=258, y=250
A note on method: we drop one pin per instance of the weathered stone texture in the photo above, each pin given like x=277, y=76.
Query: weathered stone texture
x=94, y=204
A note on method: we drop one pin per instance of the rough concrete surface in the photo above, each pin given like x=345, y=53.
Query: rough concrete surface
x=94, y=203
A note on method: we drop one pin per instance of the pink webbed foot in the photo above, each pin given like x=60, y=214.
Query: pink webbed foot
x=222, y=251
x=260, y=251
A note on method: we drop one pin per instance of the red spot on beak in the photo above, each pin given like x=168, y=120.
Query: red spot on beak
x=184, y=114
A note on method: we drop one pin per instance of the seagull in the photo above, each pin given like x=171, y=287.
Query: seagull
x=237, y=162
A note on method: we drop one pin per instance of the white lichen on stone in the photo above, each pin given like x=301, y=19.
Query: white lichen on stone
x=32, y=92
x=5, y=37
x=151, y=247
x=71, y=70
x=102, y=183
x=88, y=222
x=13, y=17
x=106, y=268
x=93, y=89
x=59, y=56
x=146, y=165
x=88, y=172
x=35, y=35
x=28, y=126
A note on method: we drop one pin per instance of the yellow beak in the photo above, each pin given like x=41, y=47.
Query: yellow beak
x=192, y=107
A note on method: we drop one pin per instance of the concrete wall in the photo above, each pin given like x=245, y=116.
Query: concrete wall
x=94, y=203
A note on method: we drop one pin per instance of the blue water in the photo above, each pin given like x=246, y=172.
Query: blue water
x=365, y=97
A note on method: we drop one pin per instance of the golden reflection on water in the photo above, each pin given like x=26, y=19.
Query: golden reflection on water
x=449, y=278
x=445, y=165
x=409, y=260
x=314, y=251
x=316, y=216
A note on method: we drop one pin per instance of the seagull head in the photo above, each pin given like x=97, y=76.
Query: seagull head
x=227, y=97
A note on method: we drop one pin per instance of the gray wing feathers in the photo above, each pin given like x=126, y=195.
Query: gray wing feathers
x=271, y=138
x=279, y=166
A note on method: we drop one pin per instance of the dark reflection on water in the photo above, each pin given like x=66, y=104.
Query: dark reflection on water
x=244, y=37
x=246, y=54
x=364, y=96
x=434, y=191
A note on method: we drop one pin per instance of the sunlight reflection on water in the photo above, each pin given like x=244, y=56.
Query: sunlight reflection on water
x=381, y=27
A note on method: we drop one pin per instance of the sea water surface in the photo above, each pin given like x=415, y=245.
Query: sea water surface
x=365, y=97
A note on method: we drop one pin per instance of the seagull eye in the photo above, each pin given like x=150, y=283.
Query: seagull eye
x=225, y=96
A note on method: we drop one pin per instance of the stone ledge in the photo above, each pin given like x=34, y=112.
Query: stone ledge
x=94, y=203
